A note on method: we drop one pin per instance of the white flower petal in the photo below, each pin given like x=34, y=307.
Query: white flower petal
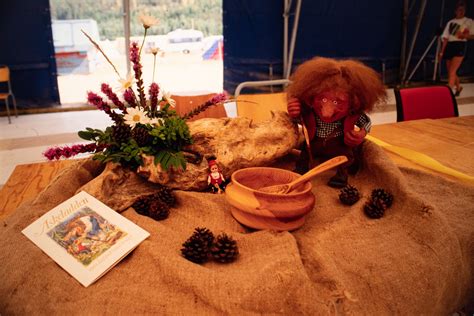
x=147, y=20
x=135, y=116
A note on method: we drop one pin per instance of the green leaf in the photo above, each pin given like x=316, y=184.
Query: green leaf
x=165, y=160
x=159, y=157
x=86, y=135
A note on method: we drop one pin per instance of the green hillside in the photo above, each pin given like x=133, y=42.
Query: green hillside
x=203, y=15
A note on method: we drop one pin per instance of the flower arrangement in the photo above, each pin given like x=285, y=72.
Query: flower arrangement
x=142, y=127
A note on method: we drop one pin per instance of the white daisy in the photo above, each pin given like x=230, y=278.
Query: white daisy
x=147, y=20
x=167, y=98
x=157, y=121
x=135, y=116
x=126, y=83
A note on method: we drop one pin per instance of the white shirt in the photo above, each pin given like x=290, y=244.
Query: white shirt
x=458, y=25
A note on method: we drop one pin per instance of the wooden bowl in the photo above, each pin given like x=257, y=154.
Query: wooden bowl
x=262, y=210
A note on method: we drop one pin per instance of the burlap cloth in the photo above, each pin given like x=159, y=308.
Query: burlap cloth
x=417, y=259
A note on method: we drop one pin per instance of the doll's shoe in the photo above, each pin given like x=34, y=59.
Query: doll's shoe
x=458, y=92
x=339, y=180
x=354, y=168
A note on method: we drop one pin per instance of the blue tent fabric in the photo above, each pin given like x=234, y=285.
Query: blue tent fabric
x=366, y=30
x=25, y=28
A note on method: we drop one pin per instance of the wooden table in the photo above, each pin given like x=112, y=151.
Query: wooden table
x=450, y=141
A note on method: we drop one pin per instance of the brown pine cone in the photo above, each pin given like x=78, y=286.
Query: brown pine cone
x=195, y=249
x=383, y=195
x=349, y=195
x=158, y=210
x=375, y=208
x=121, y=133
x=204, y=234
x=224, y=249
x=166, y=195
x=141, y=136
x=142, y=205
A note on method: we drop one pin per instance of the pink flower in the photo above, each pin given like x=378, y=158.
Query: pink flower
x=137, y=68
x=134, y=53
x=107, y=90
x=153, y=92
x=69, y=151
x=129, y=96
x=218, y=98
x=98, y=102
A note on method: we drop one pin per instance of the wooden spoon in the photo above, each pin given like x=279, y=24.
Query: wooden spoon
x=288, y=187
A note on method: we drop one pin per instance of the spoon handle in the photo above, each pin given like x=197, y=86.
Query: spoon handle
x=331, y=163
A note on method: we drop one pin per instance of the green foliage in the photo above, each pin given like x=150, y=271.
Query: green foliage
x=203, y=15
x=167, y=142
x=96, y=135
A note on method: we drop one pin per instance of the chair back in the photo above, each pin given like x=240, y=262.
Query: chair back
x=187, y=103
x=4, y=74
x=433, y=102
x=258, y=106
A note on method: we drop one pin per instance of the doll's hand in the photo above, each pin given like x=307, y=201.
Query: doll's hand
x=294, y=107
x=355, y=137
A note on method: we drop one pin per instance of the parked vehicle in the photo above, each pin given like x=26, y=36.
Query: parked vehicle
x=185, y=41
x=73, y=51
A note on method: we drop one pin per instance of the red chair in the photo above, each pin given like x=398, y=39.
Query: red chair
x=433, y=102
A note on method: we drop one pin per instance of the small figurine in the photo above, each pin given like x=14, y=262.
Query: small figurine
x=332, y=98
x=215, y=179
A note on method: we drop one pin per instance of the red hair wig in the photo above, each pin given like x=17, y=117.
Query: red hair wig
x=318, y=75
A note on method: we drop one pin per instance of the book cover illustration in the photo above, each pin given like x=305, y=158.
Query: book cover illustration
x=85, y=236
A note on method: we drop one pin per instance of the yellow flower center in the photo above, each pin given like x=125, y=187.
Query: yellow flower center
x=136, y=118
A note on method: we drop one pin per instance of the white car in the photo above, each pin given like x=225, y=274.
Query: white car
x=185, y=41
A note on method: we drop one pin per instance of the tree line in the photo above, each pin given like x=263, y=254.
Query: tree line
x=202, y=15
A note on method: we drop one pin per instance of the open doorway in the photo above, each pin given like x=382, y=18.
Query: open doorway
x=188, y=36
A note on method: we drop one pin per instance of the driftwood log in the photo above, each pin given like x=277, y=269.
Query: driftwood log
x=235, y=142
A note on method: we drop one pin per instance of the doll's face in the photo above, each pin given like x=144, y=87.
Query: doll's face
x=214, y=168
x=331, y=105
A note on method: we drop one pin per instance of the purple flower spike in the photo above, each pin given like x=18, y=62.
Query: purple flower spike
x=129, y=96
x=98, y=102
x=70, y=151
x=153, y=92
x=107, y=90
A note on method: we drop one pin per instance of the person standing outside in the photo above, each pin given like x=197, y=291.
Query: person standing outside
x=454, y=38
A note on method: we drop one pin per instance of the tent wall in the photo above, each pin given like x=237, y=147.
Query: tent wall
x=27, y=48
x=367, y=30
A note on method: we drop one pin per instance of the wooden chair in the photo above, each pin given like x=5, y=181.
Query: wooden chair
x=185, y=104
x=5, y=77
x=258, y=106
x=433, y=102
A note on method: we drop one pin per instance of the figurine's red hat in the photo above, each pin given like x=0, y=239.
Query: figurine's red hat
x=212, y=163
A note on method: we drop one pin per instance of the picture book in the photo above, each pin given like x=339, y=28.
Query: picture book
x=85, y=236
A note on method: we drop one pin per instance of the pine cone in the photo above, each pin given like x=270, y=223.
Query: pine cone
x=121, y=133
x=142, y=205
x=166, y=195
x=141, y=135
x=375, y=208
x=224, y=249
x=158, y=210
x=205, y=234
x=349, y=195
x=383, y=195
x=195, y=249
